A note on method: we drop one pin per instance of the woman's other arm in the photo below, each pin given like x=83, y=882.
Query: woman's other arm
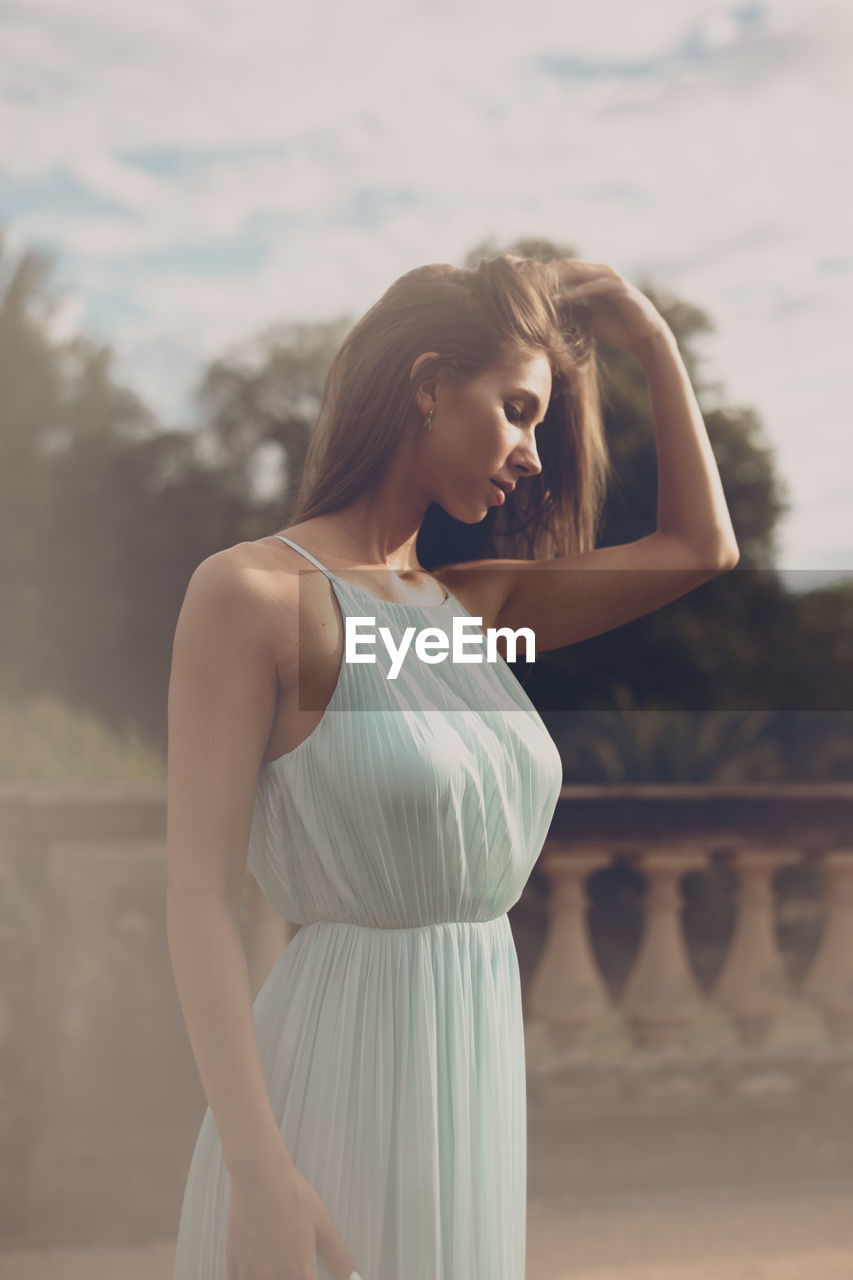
x=222, y=697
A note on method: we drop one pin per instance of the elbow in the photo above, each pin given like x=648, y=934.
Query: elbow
x=726, y=557
x=717, y=557
x=730, y=556
x=192, y=894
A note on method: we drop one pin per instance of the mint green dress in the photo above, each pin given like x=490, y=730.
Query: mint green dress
x=397, y=835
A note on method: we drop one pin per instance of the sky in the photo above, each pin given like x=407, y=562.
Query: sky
x=203, y=169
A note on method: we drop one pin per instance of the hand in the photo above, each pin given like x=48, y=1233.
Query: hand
x=616, y=313
x=276, y=1225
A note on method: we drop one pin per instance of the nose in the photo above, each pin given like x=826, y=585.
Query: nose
x=527, y=458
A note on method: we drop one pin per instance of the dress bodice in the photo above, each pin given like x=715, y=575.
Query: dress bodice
x=416, y=800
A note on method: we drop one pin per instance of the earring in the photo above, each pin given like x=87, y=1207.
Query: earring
x=428, y=419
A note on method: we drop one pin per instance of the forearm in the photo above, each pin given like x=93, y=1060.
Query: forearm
x=212, y=980
x=691, y=502
x=267, y=935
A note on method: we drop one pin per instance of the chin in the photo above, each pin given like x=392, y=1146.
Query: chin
x=465, y=508
x=464, y=512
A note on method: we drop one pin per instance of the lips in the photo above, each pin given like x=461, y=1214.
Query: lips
x=499, y=492
x=505, y=486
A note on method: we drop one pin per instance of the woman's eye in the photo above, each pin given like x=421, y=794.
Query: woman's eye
x=513, y=412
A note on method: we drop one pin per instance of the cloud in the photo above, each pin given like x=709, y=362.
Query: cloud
x=205, y=170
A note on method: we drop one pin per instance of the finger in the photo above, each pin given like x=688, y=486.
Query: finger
x=577, y=269
x=331, y=1246
x=338, y=1259
x=580, y=292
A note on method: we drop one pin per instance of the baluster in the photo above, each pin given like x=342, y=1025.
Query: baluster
x=567, y=990
x=829, y=983
x=661, y=997
x=753, y=986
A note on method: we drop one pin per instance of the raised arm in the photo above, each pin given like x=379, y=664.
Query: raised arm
x=574, y=597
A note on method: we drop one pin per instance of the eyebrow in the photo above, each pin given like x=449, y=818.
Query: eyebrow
x=531, y=396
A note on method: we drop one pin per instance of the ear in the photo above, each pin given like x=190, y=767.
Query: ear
x=425, y=394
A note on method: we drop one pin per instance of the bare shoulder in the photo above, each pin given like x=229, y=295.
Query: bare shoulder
x=247, y=568
x=262, y=590
x=223, y=693
x=241, y=596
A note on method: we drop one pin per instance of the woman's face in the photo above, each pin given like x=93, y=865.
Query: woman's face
x=483, y=432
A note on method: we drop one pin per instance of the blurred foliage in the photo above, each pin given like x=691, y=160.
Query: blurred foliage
x=260, y=400
x=105, y=512
x=103, y=516
x=43, y=740
x=653, y=744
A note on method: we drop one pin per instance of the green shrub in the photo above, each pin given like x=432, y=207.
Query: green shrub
x=45, y=740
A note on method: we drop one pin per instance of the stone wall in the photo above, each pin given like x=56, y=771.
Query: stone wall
x=101, y=1098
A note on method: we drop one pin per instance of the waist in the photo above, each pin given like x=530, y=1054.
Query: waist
x=429, y=925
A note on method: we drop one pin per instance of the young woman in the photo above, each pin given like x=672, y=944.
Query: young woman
x=367, y=1113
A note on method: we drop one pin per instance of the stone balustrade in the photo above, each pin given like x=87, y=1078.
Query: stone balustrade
x=664, y=833
x=100, y=1100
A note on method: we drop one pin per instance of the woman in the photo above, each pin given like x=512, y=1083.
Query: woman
x=368, y=1111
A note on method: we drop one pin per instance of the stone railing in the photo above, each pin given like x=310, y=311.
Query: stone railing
x=99, y=1093
x=100, y=1101
x=664, y=833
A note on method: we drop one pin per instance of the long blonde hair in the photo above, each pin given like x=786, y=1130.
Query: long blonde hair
x=475, y=318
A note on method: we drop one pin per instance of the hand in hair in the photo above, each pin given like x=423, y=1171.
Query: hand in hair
x=614, y=311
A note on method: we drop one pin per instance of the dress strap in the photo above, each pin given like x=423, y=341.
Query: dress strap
x=305, y=553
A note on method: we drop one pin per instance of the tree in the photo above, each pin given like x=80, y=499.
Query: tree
x=56, y=393
x=104, y=514
x=260, y=400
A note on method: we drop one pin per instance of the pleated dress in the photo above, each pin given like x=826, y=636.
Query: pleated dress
x=397, y=835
